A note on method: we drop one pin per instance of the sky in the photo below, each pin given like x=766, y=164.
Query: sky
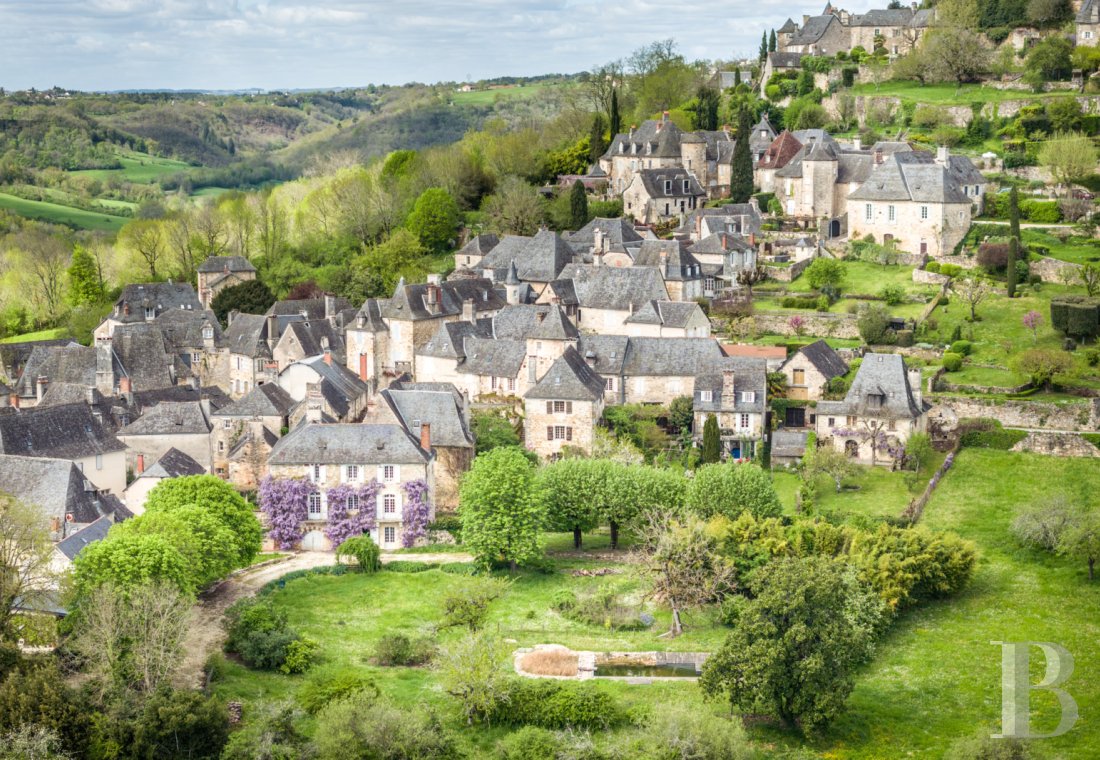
x=291, y=44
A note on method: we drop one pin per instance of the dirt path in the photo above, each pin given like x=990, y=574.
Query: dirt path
x=206, y=634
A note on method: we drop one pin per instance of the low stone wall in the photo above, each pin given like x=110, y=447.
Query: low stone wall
x=823, y=325
x=995, y=389
x=1054, y=270
x=959, y=116
x=1058, y=445
x=924, y=277
x=1081, y=417
x=966, y=262
x=788, y=273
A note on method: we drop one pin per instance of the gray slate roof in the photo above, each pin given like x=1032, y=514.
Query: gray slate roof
x=96, y=531
x=487, y=357
x=369, y=316
x=267, y=400
x=54, y=485
x=615, y=288
x=655, y=182
x=65, y=431
x=448, y=340
x=173, y=464
x=314, y=335
x=247, y=335
x=670, y=357
x=617, y=231
x=226, y=264
x=914, y=176
x=653, y=139
x=604, y=353
x=554, y=325
x=479, y=245
x=339, y=385
x=825, y=359
x=569, y=378
x=813, y=30
x=437, y=408
x=159, y=296
x=141, y=350
x=347, y=444
x=681, y=265
x=409, y=302
x=170, y=418
x=667, y=313
x=880, y=389
x=1089, y=13
x=750, y=375
x=537, y=259
x=785, y=60
x=310, y=308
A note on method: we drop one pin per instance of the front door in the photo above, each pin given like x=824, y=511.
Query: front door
x=735, y=450
x=923, y=248
x=795, y=417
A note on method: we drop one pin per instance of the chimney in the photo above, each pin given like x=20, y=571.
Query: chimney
x=272, y=331
x=915, y=385
x=857, y=143
x=664, y=263
x=725, y=241
x=89, y=396
x=124, y=385
x=126, y=309
x=330, y=307
x=597, y=241
x=878, y=156
x=40, y=386
x=468, y=312
x=231, y=316
x=435, y=279
x=698, y=227
x=664, y=116
x=425, y=436
x=432, y=295
x=590, y=359
x=14, y=400
x=364, y=375
x=752, y=239
x=327, y=356
x=729, y=398
x=943, y=154
x=139, y=466
x=313, y=402
x=195, y=383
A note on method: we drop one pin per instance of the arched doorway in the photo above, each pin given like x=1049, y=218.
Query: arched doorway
x=834, y=228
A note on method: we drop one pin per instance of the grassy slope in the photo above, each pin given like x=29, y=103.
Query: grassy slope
x=945, y=94
x=51, y=334
x=860, y=278
x=137, y=167
x=1078, y=253
x=52, y=212
x=488, y=97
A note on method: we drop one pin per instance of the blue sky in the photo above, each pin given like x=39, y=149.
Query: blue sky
x=233, y=44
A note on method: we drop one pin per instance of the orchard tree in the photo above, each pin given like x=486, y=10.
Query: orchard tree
x=1089, y=274
x=1069, y=156
x=434, y=219
x=572, y=491
x=730, y=489
x=1033, y=320
x=825, y=272
x=971, y=290
x=250, y=297
x=472, y=670
x=500, y=508
x=1081, y=539
x=1041, y=365
x=827, y=460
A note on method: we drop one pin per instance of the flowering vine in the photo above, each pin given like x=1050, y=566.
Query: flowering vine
x=416, y=513
x=285, y=501
x=345, y=521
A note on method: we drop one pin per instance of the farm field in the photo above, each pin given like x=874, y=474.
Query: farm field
x=58, y=214
x=51, y=334
x=490, y=96
x=137, y=167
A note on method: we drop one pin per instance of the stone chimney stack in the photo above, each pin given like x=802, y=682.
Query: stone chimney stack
x=943, y=155
x=139, y=465
x=14, y=400
x=425, y=436
x=330, y=307
x=857, y=143
x=729, y=397
x=314, y=402
x=468, y=312
x=664, y=264
x=272, y=331
x=104, y=369
x=40, y=387
x=597, y=241
x=364, y=373
x=915, y=385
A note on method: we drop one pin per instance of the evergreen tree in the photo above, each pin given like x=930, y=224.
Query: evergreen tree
x=85, y=287
x=1010, y=272
x=771, y=42
x=737, y=77
x=741, y=172
x=1014, y=240
x=1014, y=214
x=578, y=206
x=712, y=451
x=616, y=119
x=597, y=144
x=706, y=109
x=764, y=47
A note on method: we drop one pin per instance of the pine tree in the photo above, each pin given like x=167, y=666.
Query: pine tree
x=1014, y=240
x=711, y=446
x=85, y=286
x=771, y=42
x=597, y=144
x=616, y=119
x=741, y=172
x=578, y=206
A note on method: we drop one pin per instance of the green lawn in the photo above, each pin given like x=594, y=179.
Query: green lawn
x=52, y=212
x=945, y=94
x=985, y=376
x=1075, y=249
x=138, y=167
x=861, y=278
x=50, y=334
x=488, y=97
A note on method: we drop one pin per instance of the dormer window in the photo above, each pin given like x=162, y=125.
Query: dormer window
x=668, y=186
x=150, y=313
x=875, y=400
x=686, y=185
x=748, y=397
x=208, y=333
x=706, y=396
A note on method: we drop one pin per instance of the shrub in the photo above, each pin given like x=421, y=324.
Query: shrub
x=962, y=347
x=267, y=650
x=796, y=302
x=993, y=257
x=932, y=266
x=1041, y=212
x=251, y=616
x=299, y=656
x=600, y=608
x=469, y=606
x=409, y=566
x=730, y=489
x=989, y=434
x=529, y=743
x=823, y=303
x=318, y=691
x=450, y=523
x=874, y=324
x=362, y=726
x=679, y=731
x=1092, y=357
x=951, y=270
x=459, y=568
x=366, y=553
x=952, y=362
x=397, y=649
x=892, y=294
x=258, y=632
x=557, y=704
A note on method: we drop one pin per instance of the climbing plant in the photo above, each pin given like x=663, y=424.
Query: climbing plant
x=351, y=510
x=417, y=512
x=285, y=502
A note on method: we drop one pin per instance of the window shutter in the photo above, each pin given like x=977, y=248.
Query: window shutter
x=549, y=407
x=568, y=407
x=569, y=434
x=549, y=432
x=380, y=475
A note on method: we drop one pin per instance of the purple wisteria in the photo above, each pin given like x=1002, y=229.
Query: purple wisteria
x=285, y=501
x=416, y=513
x=351, y=510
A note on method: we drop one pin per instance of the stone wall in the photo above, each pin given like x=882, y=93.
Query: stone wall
x=1080, y=417
x=1054, y=270
x=1058, y=445
x=959, y=116
x=923, y=277
x=822, y=325
x=788, y=273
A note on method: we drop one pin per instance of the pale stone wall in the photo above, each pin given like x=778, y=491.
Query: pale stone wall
x=1055, y=270
x=828, y=431
x=1081, y=416
x=601, y=321
x=825, y=325
x=153, y=447
x=373, y=346
x=583, y=421
x=922, y=277
x=108, y=473
x=642, y=389
x=945, y=226
x=450, y=464
x=1058, y=445
x=813, y=382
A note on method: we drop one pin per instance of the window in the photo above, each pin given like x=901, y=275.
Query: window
x=351, y=473
x=609, y=384
x=850, y=420
x=923, y=212
x=744, y=421
x=706, y=396
x=748, y=397
x=892, y=425
x=208, y=333
x=832, y=422
x=559, y=407
x=388, y=473
x=221, y=446
x=559, y=433
x=227, y=424
x=314, y=504
x=686, y=186
x=99, y=461
x=150, y=313
x=668, y=187
x=961, y=217
x=799, y=377
x=389, y=535
x=709, y=283
x=353, y=501
x=868, y=212
x=389, y=504
x=891, y=214
x=315, y=473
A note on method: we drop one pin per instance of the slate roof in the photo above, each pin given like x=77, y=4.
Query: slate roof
x=789, y=27
x=267, y=400
x=914, y=176
x=14, y=355
x=60, y=364
x=721, y=243
x=226, y=264
x=883, y=17
x=479, y=245
x=448, y=340
x=369, y=316
x=518, y=321
x=825, y=359
x=89, y=534
x=569, y=378
x=1089, y=13
x=606, y=354
x=789, y=443
x=655, y=182
x=488, y=357
x=617, y=232
x=409, y=302
x=653, y=139
x=680, y=264
x=141, y=350
x=537, y=259
x=247, y=335
x=347, y=444
x=339, y=385
x=813, y=30
x=66, y=431
x=54, y=485
x=437, y=408
x=182, y=329
x=564, y=290
x=742, y=217
x=761, y=135
x=554, y=325
x=616, y=288
x=310, y=308
x=784, y=148
x=785, y=60
x=170, y=418
x=880, y=389
x=667, y=313
x=173, y=464
x=749, y=376
x=159, y=296
x=314, y=335
x=670, y=357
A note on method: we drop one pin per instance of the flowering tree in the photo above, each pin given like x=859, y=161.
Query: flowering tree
x=798, y=324
x=285, y=502
x=416, y=513
x=351, y=510
x=1033, y=320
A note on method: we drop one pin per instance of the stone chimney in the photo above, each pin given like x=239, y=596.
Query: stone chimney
x=314, y=402
x=104, y=369
x=664, y=264
x=425, y=436
x=468, y=312
x=878, y=156
x=364, y=374
x=330, y=307
x=231, y=316
x=857, y=143
x=272, y=331
x=14, y=400
x=943, y=155
x=915, y=385
x=698, y=227
x=729, y=397
x=139, y=465
x=124, y=387
x=89, y=396
x=597, y=240
x=5, y=400
x=590, y=359
x=40, y=386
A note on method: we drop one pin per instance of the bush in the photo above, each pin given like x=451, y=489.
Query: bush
x=366, y=553
x=989, y=434
x=299, y=657
x=409, y=566
x=730, y=489
x=529, y=743
x=932, y=266
x=557, y=704
x=962, y=347
x=952, y=362
x=601, y=608
x=679, y=731
x=459, y=568
x=796, y=302
x=397, y=649
x=823, y=303
x=251, y=616
x=874, y=324
x=267, y=650
x=469, y=606
x=951, y=270
x=318, y=691
x=892, y=294
x=362, y=726
x=450, y=523
x=993, y=257
x=259, y=634
x=1041, y=212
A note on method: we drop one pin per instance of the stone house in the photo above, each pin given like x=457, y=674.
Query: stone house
x=819, y=35
x=245, y=431
x=67, y=549
x=478, y=247
x=680, y=270
x=809, y=370
x=777, y=155
x=181, y=425
x=922, y=203
x=65, y=497
x=605, y=297
x=172, y=464
x=192, y=338
x=657, y=370
x=883, y=407
x=329, y=456
x=367, y=342
x=563, y=408
x=1087, y=23
x=735, y=392
x=336, y=391
x=537, y=260
x=70, y=432
x=723, y=256
x=779, y=62
x=145, y=302
x=659, y=195
x=304, y=338
x=605, y=236
x=895, y=30
x=247, y=344
x=814, y=185
x=668, y=319
x=220, y=272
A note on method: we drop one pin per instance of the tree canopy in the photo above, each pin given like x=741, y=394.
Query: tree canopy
x=500, y=508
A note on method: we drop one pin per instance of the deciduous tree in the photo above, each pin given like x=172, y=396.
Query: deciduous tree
x=972, y=291
x=26, y=554
x=730, y=489
x=1069, y=156
x=500, y=508
x=434, y=219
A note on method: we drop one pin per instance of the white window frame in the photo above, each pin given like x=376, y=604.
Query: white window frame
x=315, y=505
x=389, y=473
x=745, y=422
x=609, y=383
x=868, y=212
x=351, y=473
x=707, y=396
x=891, y=213
x=353, y=501
x=389, y=504
x=748, y=397
x=923, y=212
x=389, y=535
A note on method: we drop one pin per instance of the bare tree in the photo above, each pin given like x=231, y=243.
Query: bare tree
x=972, y=290
x=599, y=83
x=180, y=234
x=145, y=237
x=26, y=553
x=751, y=277
x=45, y=259
x=210, y=229
x=829, y=461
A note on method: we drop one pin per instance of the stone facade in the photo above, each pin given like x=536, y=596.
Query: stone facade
x=1081, y=416
x=550, y=425
x=932, y=229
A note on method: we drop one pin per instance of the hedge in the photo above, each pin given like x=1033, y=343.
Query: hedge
x=557, y=705
x=1042, y=212
x=989, y=434
x=1076, y=316
x=408, y=566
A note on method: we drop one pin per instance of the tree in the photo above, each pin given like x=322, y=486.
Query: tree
x=828, y=460
x=26, y=556
x=741, y=172
x=614, y=119
x=750, y=277
x=1049, y=59
x=706, y=109
x=85, y=284
x=215, y=496
x=500, y=509
x=205, y=542
x=825, y=272
x=144, y=237
x=1069, y=156
x=1089, y=274
x=685, y=565
x=130, y=560
x=571, y=489
x=955, y=54
x=249, y=297
x=1081, y=539
x=763, y=46
x=712, y=446
x=1048, y=12
x=471, y=669
x=730, y=489
x=1041, y=365
x=1033, y=320
x=1042, y=525
x=36, y=695
x=796, y=645
x=492, y=430
x=32, y=742
x=515, y=208
x=1010, y=267
x=771, y=42
x=434, y=219
x=972, y=291
x=597, y=143
x=366, y=553
x=578, y=206
x=873, y=323
x=181, y=725
x=681, y=414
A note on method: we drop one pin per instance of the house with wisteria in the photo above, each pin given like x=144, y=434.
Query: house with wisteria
x=329, y=482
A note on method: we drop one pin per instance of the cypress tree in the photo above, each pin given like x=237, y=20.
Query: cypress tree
x=596, y=142
x=764, y=47
x=706, y=109
x=578, y=205
x=741, y=172
x=712, y=451
x=1013, y=214
x=1014, y=241
x=737, y=77
x=616, y=119
x=771, y=42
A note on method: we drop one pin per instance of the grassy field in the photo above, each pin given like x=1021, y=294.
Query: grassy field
x=488, y=97
x=945, y=94
x=53, y=212
x=1075, y=249
x=137, y=167
x=51, y=334
x=861, y=278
